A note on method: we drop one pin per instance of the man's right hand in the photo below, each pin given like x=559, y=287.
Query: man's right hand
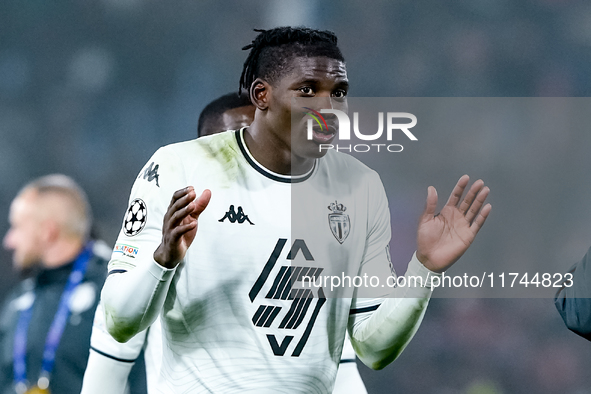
x=180, y=225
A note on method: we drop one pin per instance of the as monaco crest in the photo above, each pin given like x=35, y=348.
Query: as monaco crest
x=339, y=222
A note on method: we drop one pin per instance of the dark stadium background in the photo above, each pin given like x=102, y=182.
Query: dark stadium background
x=91, y=88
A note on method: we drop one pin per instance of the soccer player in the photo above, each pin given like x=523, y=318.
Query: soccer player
x=230, y=320
x=46, y=322
x=110, y=362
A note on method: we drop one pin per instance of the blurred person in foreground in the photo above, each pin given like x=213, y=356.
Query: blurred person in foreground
x=46, y=321
x=573, y=299
x=223, y=294
x=110, y=361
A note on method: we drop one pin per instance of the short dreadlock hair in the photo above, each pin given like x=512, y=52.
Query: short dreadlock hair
x=272, y=50
x=217, y=107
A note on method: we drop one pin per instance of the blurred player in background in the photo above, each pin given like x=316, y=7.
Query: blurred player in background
x=46, y=322
x=110, y=361
x=224, y=329
x=228, y=112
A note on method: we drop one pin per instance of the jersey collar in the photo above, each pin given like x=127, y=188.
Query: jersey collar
x=262, y=170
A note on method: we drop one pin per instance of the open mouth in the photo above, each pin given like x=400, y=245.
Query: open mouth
x=323, y=135
x=320, y=128
x=325, y=131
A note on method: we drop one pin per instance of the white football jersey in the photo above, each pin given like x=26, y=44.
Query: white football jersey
x=348, y=379
x=236, y=317
x=125, y=354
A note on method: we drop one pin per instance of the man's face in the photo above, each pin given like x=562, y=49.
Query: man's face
x=322, y=78
x=232, y=119
x=24, y=238
x=237, y=118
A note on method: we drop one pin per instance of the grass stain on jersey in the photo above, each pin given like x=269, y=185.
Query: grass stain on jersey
x=223, y=150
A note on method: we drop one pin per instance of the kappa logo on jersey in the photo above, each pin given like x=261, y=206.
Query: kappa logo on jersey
x=282, y=289
x=151, y=173
x=135, y=218
x=339, y=222
x=234, y=216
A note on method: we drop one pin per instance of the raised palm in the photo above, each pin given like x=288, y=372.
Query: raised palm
x=443, y=238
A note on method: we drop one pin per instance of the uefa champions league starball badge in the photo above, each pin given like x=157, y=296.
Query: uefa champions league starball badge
x=135, y=218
